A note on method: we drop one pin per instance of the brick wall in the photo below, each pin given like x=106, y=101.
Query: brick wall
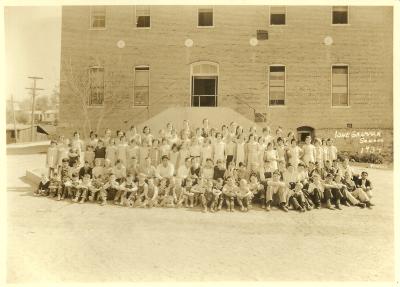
x=365, y=45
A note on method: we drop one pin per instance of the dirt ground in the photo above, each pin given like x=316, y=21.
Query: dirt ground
x=50, y=241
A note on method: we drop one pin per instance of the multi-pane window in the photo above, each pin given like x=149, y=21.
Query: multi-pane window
x=340, y=85
x=98, y=17
x=277, y=15
x=205, y=17
x=340, y=15
x=141, y=86
x=142, y=16
x=96, y=80
x=277, y=82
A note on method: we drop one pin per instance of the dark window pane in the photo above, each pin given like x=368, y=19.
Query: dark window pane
x=277, y=68
x=204, y=86
x=195, y=101
x=277, y=102
x=278, y=19
x=143, y=21
x=207, y=101
x=205, y=18
x=339, y=17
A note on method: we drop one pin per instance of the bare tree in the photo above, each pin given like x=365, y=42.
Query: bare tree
x=78, y=81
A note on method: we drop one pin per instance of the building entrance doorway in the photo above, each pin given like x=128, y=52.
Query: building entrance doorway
x=204, y=84
x=204, y=91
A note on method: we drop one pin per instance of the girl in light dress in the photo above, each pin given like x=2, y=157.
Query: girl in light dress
x=219, y=148
x=77, y=144
x=261, y=150
x=183, y=153
x=195, y=147
x=107, y=137
x=92, y=139
x=199, y=136
x=165, y=148
x=122, y=150
x=173, y=156
x=324, y=151
x=309, y=152
x=132, y=151
x=111, y=152
x=271, y=157
x=319, y=152
x=251, y=152
x=240, y=150
x=212, y=137
x=168, y=131
x=294, y=154
x=281, y=150
x=154, y=153
x=143, y=153
x=253, y=130
x=147, y=136
x=225, y=133
x=132, y=134
x=173, y=138
x=206, y=151
x=240, y=131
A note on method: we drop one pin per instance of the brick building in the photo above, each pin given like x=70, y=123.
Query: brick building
x=315, y=69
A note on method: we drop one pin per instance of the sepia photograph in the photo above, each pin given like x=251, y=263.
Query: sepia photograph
x=207, y=141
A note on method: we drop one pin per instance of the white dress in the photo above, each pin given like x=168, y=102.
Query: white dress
x=252, y=153
x=122, y=152
x=206, y=152
x=308, y=156
x=219, y=151
x=294, y=156
x=272, y=157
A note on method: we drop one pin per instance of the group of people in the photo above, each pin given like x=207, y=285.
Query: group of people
x=209, y=167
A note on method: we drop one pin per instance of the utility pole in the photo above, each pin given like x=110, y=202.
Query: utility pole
x=34, y=89
x=15, y=122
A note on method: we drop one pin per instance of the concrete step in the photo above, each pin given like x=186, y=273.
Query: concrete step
x=217, y=116
x=28, y=147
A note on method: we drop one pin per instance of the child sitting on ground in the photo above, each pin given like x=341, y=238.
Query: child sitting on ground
x=217, y=194
x=229, y=194
x=55, y=184
x=170, y=195
x=97, y=184
x=207, y=197
x=150, y=197
x=297, y=198
x=109, y=189
x=187, y=195
x=198, y=190
x=129, y=189
x=83, y=189
x=365, y=184
x=43, y=187
x=244, y=195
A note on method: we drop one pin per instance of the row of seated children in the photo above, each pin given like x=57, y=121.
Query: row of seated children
x=302, y=188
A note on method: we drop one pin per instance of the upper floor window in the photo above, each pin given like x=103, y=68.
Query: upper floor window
x=277, y=85
x=98, y=17
x=340, y=15
x=141, y=86
x=142, y=16
x=277, y=15
x=96, y=80
x=205, y=17
x=340, y=85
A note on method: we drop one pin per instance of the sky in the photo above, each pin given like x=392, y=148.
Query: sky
x=32, y=48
